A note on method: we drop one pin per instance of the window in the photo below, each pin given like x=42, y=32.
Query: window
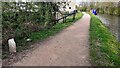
x=69, y=7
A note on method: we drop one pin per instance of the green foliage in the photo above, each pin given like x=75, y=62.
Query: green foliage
x=20, y=19
x=101, y=10
x=117, y=11
x=104, y=47
x=111, y=8
x=43, y=34
x=78, y=8
x=84, y=8
x=26, y=23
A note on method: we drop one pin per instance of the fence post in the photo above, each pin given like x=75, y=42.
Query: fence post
x=74, y=13
x=74, y=16
x=63, y=20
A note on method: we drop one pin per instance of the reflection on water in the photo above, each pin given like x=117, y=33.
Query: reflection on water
x=112, y=22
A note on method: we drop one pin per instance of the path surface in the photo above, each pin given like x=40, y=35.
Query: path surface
x=70, y=47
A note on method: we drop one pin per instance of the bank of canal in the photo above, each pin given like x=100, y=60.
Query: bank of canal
x=104, y=47
x=112, y=22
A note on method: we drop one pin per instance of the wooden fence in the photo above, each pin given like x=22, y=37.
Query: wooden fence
x=65, y=16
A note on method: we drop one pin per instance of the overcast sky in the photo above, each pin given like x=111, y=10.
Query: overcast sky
x=77, y=1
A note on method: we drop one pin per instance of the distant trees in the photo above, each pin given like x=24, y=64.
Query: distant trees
x=101, y=7
x=107, y=7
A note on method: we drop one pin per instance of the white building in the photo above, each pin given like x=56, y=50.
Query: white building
x=70, y=6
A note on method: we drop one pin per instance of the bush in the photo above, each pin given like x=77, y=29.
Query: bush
x=20, y=23
x=111, y=10
x=84, y=8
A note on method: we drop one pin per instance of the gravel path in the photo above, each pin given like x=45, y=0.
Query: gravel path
x=70, y=47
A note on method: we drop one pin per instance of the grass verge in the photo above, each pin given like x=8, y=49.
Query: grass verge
x=51, y=31
x=104, y=47
x=22, y=44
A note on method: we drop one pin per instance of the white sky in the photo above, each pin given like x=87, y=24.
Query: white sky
x=77, y=1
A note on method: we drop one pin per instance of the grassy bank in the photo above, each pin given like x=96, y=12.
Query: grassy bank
x=51, y=31
x=22, y=44
x=104, y=47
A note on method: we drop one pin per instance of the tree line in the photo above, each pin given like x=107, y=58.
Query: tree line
x=111, y=8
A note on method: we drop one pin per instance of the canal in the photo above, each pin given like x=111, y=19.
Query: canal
x=112, y=23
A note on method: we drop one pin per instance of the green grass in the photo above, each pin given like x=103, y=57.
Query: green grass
x=55, y=29
x=43, y=34
x=104, y=47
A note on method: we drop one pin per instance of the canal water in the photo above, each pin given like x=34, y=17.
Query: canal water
x=112, y=23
